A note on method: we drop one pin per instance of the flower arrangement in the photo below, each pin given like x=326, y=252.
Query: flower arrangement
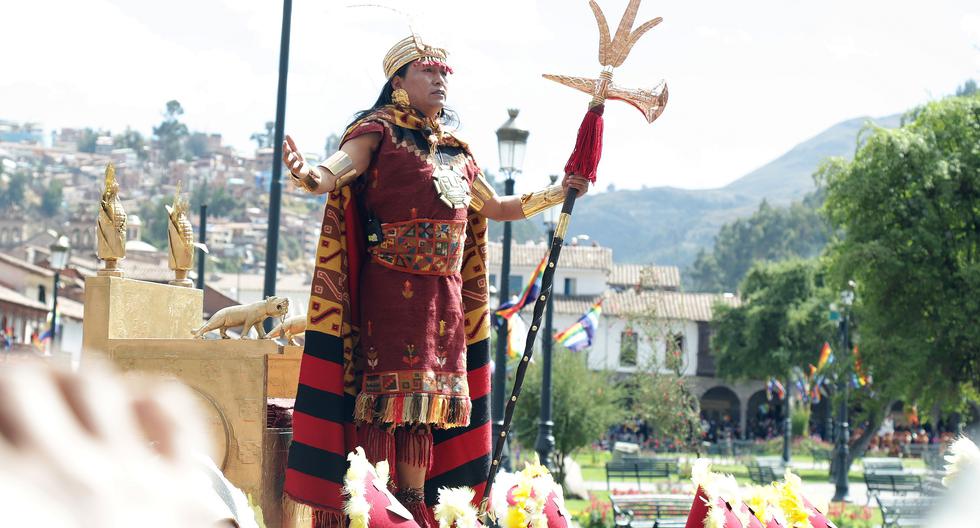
x=455, y=508
x=763, y=502
x=845, y=516
x=598, y=514
x=520, y=499
x=963, y=453
x=721, y=497
x=791, y=501
x=357, y=507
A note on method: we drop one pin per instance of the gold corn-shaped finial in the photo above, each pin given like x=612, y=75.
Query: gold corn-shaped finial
x=614, y=52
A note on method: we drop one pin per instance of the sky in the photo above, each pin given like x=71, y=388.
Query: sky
x=747, y=80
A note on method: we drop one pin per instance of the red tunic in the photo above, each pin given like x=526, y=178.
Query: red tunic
x=413, y=341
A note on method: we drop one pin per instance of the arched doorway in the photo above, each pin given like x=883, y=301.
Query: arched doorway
x=763, y=416
x=720, y=409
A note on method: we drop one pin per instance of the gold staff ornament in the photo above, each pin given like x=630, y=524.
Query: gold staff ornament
x=612, y=54
x=583, y=162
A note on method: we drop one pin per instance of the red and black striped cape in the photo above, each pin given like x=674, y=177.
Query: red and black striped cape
x=323, y=428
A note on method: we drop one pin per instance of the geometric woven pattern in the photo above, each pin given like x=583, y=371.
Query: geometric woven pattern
x=422, y=246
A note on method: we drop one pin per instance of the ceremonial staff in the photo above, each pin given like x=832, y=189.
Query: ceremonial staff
x=583, y=162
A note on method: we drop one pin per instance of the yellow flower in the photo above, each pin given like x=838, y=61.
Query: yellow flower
x=532, y=470
x=516, y=518
x=522, y=491
x=791, y=501
x=755, y=498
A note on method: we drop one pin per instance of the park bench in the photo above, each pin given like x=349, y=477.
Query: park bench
x=650, y=511
x=820, y=454
x=934, y=459
x=720, y=449
x=641, y=468
x=746, y=447
x=766, y=469
x=762, y=475
x=873, y=465
x=892, y=483
x=919, y=450
x=904, y=511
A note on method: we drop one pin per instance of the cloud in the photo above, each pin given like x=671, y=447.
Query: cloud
x=724, y=35
x=970, y=24
x=844, y=47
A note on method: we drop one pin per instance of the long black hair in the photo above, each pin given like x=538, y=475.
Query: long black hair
x=448, y=117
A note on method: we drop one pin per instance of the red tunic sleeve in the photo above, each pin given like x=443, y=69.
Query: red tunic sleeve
x=364, y=127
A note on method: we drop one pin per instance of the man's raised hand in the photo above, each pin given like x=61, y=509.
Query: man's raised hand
x=299, y=170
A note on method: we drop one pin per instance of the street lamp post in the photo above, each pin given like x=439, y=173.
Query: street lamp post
x=844, y=435
x=60, y=250
x=545, y=444
x=275, y=185
x=202, y=237
x=511, y=142
x=787, y=420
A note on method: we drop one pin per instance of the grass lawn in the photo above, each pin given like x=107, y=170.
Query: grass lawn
x=594, y=468
x=576, y=506
x=853, y=515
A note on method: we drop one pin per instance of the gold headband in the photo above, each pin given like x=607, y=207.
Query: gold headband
x=411, y=49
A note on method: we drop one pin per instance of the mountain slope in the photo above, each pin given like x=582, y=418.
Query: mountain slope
x=669, y=226
x=789, y=176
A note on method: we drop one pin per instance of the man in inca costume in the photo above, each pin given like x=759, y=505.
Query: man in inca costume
x=397, y=357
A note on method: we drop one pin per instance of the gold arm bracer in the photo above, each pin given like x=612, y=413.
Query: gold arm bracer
x=534, y=203
x=340, y=165
x=480, y=192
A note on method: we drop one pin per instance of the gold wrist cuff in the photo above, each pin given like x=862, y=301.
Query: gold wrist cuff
x=340, y=165
x=534, y=203
x=480, y=193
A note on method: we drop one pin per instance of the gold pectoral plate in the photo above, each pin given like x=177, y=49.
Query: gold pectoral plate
x=452, y=187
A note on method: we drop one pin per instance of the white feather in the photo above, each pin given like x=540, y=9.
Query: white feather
x=963, y=453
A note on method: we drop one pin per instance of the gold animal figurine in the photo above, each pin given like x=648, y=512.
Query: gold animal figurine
x=181, y=237
x=247, y=316
x=111, y=226
x=288, y=329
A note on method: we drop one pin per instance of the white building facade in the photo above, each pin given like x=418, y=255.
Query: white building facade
x=587, y=273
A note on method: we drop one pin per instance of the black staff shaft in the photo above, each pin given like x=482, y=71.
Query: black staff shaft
x=547, y=282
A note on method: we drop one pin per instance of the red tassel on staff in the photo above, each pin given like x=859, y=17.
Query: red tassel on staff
x=588, y=145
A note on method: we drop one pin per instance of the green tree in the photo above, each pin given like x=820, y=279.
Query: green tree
x=658, y=393
x=196, y=145
x=170, y=134
x=969, y=88
x=86, y=143
x=12, y=193
x=51, y=199
x=220, y=202
x=130, y=139
x=778, y=329
x=155, y=220
x=770, y=234
x=780, y=325
x=585, y=403
x=907, y=207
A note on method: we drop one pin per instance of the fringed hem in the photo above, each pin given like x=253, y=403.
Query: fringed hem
x=414, y=447
x=379, y=443
x=422, y=514
x=297, y=512
x=328, y=519
x=440, y=410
